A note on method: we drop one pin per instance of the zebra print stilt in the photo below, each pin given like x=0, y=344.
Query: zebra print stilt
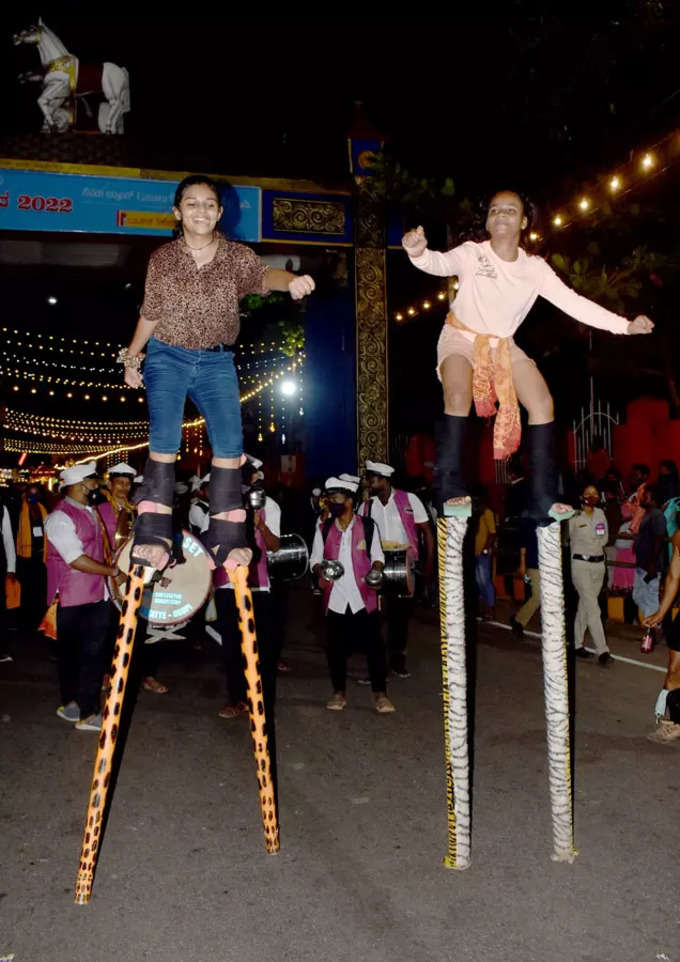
x=555, y=684
x=450, y=535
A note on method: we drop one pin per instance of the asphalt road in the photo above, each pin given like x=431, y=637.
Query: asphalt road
x=183, y=874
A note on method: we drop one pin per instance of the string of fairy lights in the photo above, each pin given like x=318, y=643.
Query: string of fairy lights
x=43, y=434
x=616, y=183
x=46, y=364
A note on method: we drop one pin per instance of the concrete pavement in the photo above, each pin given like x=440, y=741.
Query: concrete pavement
x=183, y=874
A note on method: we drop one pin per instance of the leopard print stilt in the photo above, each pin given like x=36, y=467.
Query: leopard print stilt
x=258, y=730
x=108, y=736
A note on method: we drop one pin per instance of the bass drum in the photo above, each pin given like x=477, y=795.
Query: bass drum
x=291, y=561
x=399, y=575
x=181, y=590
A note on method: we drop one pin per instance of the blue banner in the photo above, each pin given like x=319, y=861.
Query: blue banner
x=34, y=200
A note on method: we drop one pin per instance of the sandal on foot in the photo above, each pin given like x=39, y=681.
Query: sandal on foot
x=233, y=711
x=153, y=684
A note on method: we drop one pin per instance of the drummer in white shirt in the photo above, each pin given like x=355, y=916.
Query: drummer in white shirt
x=401, y=517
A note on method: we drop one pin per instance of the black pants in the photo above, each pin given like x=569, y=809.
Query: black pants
x=83, y=633
x=398, y=612
x=227, y=625
x=348, y=633
x=32, y=573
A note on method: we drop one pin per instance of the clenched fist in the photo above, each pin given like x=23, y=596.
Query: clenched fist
x=641, y=325
x=299, y=287
x=414, y=242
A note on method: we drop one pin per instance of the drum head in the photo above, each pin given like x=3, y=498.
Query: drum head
x=182, y=589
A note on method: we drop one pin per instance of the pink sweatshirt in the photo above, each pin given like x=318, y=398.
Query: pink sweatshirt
x=494, y=296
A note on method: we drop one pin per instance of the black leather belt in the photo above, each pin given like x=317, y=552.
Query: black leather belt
x=218, y=347
x=588, y=557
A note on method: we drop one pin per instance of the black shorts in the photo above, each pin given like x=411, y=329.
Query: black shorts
x=673, y=634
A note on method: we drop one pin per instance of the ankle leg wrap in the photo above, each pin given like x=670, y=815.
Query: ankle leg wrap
x=225, y=497
x=542, y=470
x=449, y=480
x=158, y=484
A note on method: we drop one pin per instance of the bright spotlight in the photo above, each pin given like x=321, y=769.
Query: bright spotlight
x=52, y=300
x=288, y=388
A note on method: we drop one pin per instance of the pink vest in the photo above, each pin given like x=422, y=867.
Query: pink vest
x=76, y=587
x=258, y=574
x=110, y=519
x=361, y=562
x=405, y=513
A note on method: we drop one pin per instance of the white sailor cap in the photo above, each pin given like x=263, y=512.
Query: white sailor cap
x=338, y=484
x=194, y=482
x=122, y=469
x=376, y=467
x=355, y=479
x=76, y=473
x=138, y=479
x=256, y=463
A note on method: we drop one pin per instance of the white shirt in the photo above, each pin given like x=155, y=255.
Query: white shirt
x=494, y=296
x=388, y=519
x=8, y=542
x=345, y=590
x=272, y=519
x=199, y=513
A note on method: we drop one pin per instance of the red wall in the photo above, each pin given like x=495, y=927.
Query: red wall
x=648, y=436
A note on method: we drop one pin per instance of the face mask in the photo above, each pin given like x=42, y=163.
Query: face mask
x=336, y=509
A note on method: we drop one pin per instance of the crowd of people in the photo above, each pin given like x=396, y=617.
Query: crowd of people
x=60, y=547
x=60, y=553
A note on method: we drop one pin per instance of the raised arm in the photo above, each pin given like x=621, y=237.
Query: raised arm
x=587, y=311
x=441, y=264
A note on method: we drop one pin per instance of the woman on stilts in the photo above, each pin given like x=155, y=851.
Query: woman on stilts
x=477, y=357
x=189, y=322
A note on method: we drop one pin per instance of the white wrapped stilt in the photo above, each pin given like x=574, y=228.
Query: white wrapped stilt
x=450, y=535
x=556, y=689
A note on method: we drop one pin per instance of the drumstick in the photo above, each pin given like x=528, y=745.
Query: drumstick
x=258, y=722
x=111, y=715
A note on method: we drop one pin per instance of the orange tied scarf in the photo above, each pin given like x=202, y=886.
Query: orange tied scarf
x=491, y=383
x=25, y=534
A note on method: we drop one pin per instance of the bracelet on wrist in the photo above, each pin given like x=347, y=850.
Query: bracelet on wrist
x=126, y=360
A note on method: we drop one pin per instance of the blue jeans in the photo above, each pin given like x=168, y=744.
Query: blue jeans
x=487, y=592
x=171, y=374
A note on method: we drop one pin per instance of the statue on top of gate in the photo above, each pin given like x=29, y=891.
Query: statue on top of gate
x=66, y=82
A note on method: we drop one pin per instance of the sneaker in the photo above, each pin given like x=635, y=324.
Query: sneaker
x=337, y=702
x=582, y=653
x=363, y=681
x=605, y=658
x=91, y=724
x=383, y=705
x=517, y=627
x=70, y=712
x=666, y=732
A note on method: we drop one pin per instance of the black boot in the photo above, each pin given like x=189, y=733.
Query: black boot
x=542, y=471
x=448, y=480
